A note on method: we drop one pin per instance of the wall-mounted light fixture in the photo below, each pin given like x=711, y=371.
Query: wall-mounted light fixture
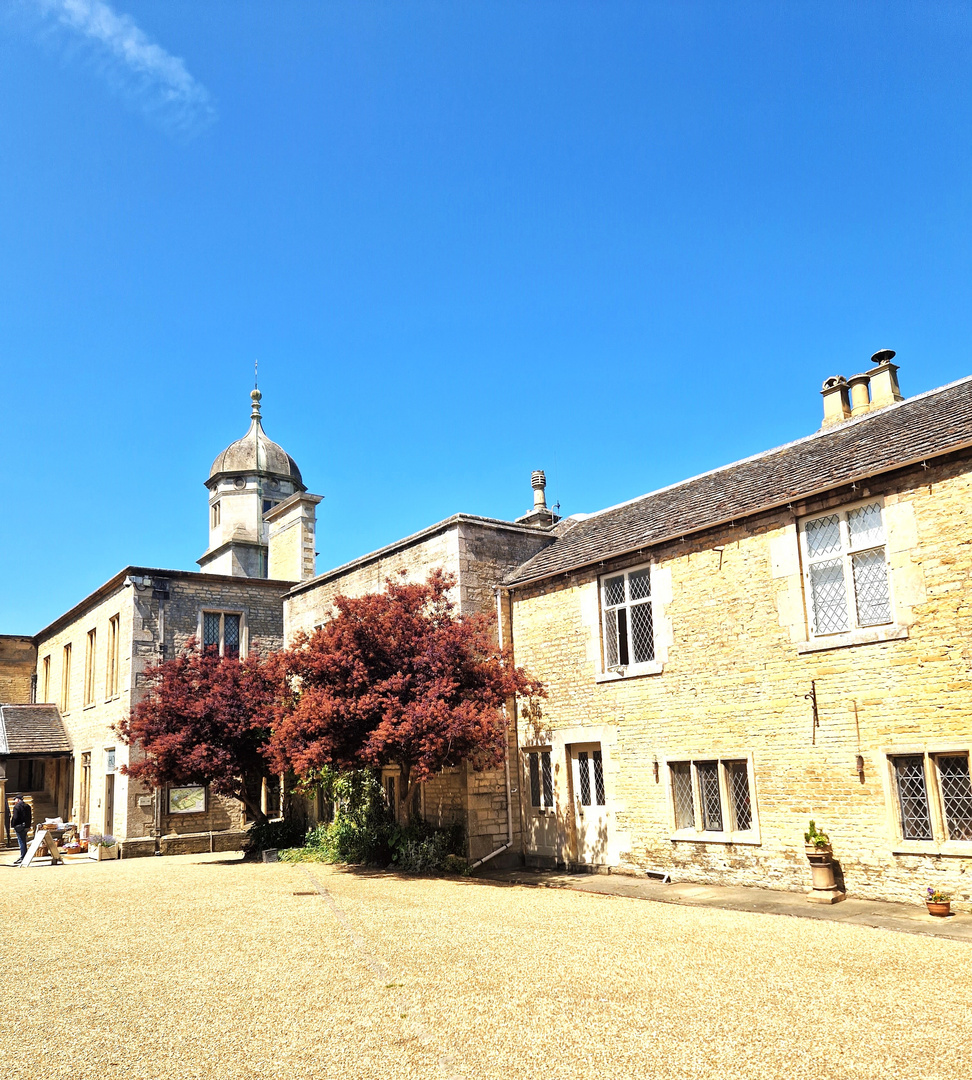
x=860, y=767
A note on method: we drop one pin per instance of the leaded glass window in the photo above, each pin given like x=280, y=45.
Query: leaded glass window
x=846, y=570
x=709, y=796
x=629, y=636
x=738, y=783
x=712, y=796
x=909, y=775
x=222, y=631
x=584, y=769
x=956, y=789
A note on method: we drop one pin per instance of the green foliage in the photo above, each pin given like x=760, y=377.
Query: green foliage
x=271, y=834
x=420, y=849
x=937, y=896
x=816, y=838
x=363, y=831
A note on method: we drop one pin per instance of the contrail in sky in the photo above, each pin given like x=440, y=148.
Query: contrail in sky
x=157, y=83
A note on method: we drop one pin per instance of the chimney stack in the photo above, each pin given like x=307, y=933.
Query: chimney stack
x=540, y=515
x=884, y=380
x=836, y=404
x=866, y=392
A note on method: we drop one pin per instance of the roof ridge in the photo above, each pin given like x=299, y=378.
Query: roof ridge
x=820, y=433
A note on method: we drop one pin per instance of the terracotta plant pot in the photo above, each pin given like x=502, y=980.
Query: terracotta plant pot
x=940, y=909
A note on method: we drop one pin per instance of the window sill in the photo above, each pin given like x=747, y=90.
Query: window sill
x=90, y=705
x=750, y=837
x=872, y=635
x=962, y=848
x=632, y=671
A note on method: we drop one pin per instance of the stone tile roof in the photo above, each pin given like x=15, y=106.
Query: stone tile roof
x=908, y=432
x=32, y=729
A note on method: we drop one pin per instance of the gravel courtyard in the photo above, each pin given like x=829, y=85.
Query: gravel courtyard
x=205, y=967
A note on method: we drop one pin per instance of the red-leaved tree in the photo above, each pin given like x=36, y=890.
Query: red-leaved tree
x=395, y=678
x=204, y=720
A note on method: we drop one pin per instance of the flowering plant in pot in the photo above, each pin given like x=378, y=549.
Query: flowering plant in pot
x=939, y=903
x=102, y=846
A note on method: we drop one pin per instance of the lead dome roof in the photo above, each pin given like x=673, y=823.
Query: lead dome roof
x=256, y=453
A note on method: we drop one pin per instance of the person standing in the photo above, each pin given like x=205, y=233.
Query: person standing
x=20, y=819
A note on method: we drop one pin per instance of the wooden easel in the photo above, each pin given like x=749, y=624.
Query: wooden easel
x=42, y=839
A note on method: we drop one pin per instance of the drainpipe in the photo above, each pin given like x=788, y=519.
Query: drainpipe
x=506, y=757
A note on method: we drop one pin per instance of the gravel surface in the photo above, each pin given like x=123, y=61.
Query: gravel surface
x=204, y=967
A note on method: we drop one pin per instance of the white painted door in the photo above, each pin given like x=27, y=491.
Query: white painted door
x=590, y=803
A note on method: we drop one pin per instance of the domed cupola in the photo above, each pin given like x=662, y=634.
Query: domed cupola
x=248, y=479
x=256, y=454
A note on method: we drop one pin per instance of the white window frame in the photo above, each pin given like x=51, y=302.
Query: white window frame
x=696, y=833
x=940, y=844
x=847, y=551
x=645, y=667
x=222, y=613
x=541, y=755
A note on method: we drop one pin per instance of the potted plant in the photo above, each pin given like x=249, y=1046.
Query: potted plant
x=939, y=903
x=820, y=855
x=102, y=846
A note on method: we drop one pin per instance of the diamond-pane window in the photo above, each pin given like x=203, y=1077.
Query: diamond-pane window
x=956, y=789
x=584, y=770
x=547, y=777
x=598, y=777
x=231, y=635
x=829, y=597
x=871, y=588
x=614, y=591
x=642, y=636
x=627, y=619
x=639, y=584
x=865, y=526
x=534, y=760
x=710, y=796
x=222, y=631
x=682, y=795
x=846, y=569
x=738, y=780
x=912, y=797
x=211, y=626
x=823, y=535
x=697, y=789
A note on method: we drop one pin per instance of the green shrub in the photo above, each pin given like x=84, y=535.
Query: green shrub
x=271, y=834
x=363, y=831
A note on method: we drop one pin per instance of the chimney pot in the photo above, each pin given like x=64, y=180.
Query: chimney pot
x=883, y=356
x=836, y=404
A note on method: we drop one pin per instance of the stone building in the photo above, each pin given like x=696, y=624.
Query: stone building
x=783, y=638
x=478, y=553
x=88, y=667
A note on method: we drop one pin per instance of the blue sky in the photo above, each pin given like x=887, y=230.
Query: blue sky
x=623, y=242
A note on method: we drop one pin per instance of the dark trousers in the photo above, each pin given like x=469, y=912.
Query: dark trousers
x=21, y=831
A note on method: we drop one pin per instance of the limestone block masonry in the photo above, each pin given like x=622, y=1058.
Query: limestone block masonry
x=477, y=553
x=148, y=614
x=738, y=666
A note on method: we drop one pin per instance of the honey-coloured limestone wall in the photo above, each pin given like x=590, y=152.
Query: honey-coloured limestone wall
x=18, y=661
x=478, y=553
x=737, y=666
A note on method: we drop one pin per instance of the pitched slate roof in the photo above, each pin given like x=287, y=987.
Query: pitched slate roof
x=906, y=433
x=32, y=729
